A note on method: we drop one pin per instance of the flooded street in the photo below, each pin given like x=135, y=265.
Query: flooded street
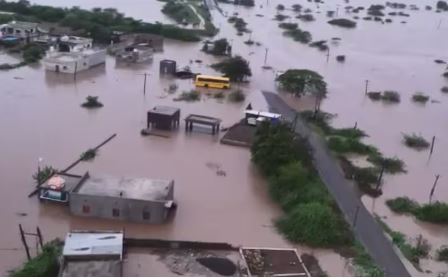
x=40, y=116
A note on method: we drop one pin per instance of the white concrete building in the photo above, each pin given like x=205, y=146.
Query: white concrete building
x=72, y=55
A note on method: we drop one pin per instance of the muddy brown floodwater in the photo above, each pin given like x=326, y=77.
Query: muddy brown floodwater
x=40, y=116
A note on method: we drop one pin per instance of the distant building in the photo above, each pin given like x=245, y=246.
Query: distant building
x=92, y=254
x=22, y=30
x=135, y=54
x=139, y=200
x=73, y=54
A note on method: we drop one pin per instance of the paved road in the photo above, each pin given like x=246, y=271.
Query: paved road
x=367, y=230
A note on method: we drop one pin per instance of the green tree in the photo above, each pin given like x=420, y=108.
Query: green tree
x=273, y=147
x=302, y=81
x=236, y=68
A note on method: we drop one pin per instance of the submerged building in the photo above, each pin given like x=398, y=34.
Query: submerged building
x=135, y=54
x=139, y=200
x=73, y=54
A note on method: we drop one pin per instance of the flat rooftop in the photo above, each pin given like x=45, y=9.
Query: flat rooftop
x=131, y=188
x=202, y=119
x=165, y=110
x=86, y=245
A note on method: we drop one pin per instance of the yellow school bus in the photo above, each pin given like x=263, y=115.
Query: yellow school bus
x=212, y=82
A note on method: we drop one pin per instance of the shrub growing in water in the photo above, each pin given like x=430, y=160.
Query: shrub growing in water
x=90, y=154
x=402, y=205
x=189, y=96
x=391, y=96
x=415, y=141
x=442, y=254
x=46, y=264
x=44, y=174
x=436, y=212
x=343, y=22
x=376, y=96
x=444, y=89
x=419, y=97
x=92, y=102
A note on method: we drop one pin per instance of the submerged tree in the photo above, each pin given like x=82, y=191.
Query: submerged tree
x=302, y=81
x=236, y=68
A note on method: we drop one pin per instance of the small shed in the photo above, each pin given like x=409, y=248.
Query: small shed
x=167, y=67
x=163, y=117
x=196, y=119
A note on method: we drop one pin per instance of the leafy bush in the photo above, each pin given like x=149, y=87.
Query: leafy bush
x=236, y=68
x=391, y=165
x=349, y=145
x=219, y=95
x=90, y=154
x=376, y=96
x=419, y=97
x=415, y=141
x=343, y=22
x=391, y=96
x=321, y=45
x=433, y=212
x=306, y=17
x=340, y=58
x=92, y=102
x=444, y=89
x=32, y=53
x=46, y=264
x=402, y=205
x=237, y=96
x=316, y=225
x=44, y=174
x=288, y=25
x=299, y=35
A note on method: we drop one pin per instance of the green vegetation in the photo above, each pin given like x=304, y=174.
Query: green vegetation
x=46, y=264
x=236, y=68
x=280, y=7
x=239, y=24
x=181, y=12
x=442, y=5
x=280, y=17
x=387, y=96
x=436, y=212
x=306, y=17
x=89, y=155
x=415, y=141
x=92, y=102
x=340, y=58
x=419, y=97
x=444, y=89
x=402, y=205
x=343, y=22
x=32, y=53
x=321, y=45
x=288, y=25
x=248, y=3
x=292, y=30
x=98, y=23
x=44, y=174
x=189, y=96
x=220, y=95
x=364, y=264
x=411, y=252
x=391, y=96
x=311, y=216
x=237, y=96
x=302, y=81
x=442, y=254
x=376, y=10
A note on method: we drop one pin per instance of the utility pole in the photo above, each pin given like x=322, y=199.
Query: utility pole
x=433, y=188
x=76, y=70
x=356, y=125
x=22, y=236
x=266, y=56
x=432, y=145
x=144, y=83
x=380, y=177
x=367, y=86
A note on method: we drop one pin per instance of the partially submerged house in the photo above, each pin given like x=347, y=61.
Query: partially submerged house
x=73, y=54
x=92, y=254
x=138, y=53
x=163, y=117
x=22, y=31
x=139, y=200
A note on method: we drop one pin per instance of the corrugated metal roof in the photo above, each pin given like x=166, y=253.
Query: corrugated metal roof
x=93, y=244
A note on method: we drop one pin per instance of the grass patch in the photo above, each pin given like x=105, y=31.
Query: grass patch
x=189, y=96
x=92, y=102
x=364, y=265
x=237, y=96
x=415, y=141
x=419, y=97
x=46, y=264
x=89, y=155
